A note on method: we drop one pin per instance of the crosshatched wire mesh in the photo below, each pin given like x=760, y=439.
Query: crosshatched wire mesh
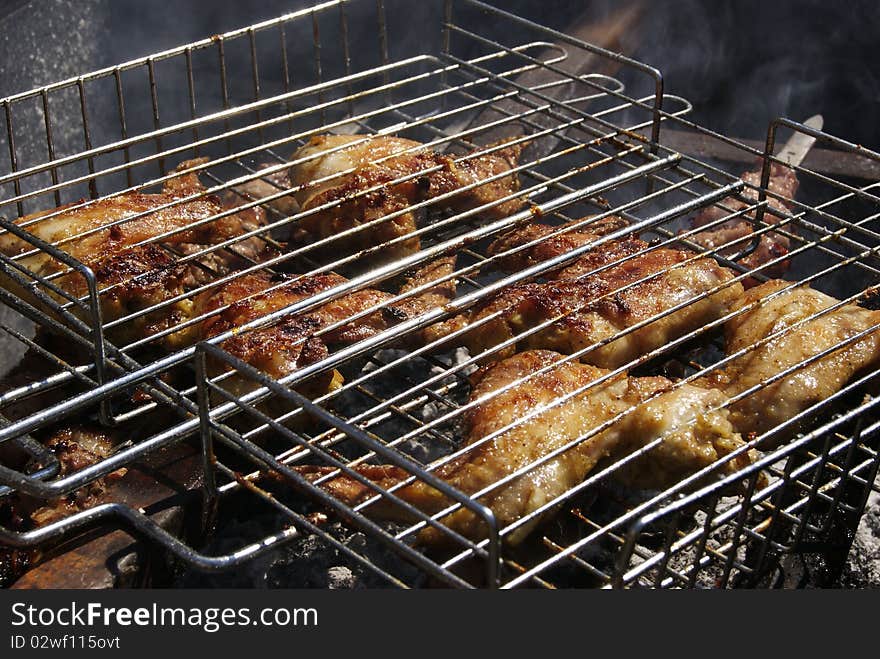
x=365, y=460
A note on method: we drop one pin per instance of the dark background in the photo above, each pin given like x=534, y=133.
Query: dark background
x=741, y=63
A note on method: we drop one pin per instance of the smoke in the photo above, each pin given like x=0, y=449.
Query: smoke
x=741, y=63
x=747, y=62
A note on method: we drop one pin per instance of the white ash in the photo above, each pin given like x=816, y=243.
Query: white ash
x=340, y=577
x=312, y=562
x=863, y=565
x=710, y=573
x=424, y=447
x=432, y=410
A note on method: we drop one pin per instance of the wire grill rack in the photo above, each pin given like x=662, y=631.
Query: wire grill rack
x=593, y=148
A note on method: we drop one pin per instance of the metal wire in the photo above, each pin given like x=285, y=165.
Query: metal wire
x=408, y=405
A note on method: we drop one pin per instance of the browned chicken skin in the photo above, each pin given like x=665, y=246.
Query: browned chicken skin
x=694, y=434
x=514, y=255
x=289, y=344
x=279, y=349
x=379, y=161
x=778, y=402
x=588, y=308
x=784, y=182
x=132, y=276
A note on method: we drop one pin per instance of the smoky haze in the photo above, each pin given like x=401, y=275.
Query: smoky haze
x=740, y=62
x=743, y=63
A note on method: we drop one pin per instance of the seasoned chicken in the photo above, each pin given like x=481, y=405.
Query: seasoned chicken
x=290, y=343
x=784, y=182
x=131, y=276
x=781, y=400
x=333, y=168
x=694, y=436
x=588, y=309
x=84, y=232
x=514, y=254
x=279, y=349
x=136, y=279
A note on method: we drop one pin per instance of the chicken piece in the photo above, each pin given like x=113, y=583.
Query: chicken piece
x=784, y=182
x=590, y=310
x=268, y=185
x=694, y=435
x=290, y=343
x=388, y=314
x=131, y=276
x=135, y=280
x=705, y=435
x=441, y=293
x=279, y=349
x=549, y=246
x=473, y=171
x=357, y=163
x=68, y=229
x=781, y=400
x=76, y=448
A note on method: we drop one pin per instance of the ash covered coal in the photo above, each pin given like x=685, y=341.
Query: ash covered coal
x=308, y=561
x=863, y=565
x=409, y=374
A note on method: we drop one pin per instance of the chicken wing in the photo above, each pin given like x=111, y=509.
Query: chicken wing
x=779, y=401
x=587, y=309
x=505, y=446
x=333, y=169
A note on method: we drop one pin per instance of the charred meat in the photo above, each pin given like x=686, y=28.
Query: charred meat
x=365, y=179
x=584, y=304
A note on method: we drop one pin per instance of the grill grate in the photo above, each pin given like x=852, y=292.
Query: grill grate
x=593, y=146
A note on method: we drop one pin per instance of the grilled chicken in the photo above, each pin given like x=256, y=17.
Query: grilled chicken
x=584, y=307
x=772, y=245
x=289, y=344
x=334, y=169
x=279, y=349
x=75, y=447
x=694, y=436
x=781, y=400
x=132, y=276
x=268, y=185
x=516, y=252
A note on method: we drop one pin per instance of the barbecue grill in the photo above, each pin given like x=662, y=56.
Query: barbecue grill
x=593, y=124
